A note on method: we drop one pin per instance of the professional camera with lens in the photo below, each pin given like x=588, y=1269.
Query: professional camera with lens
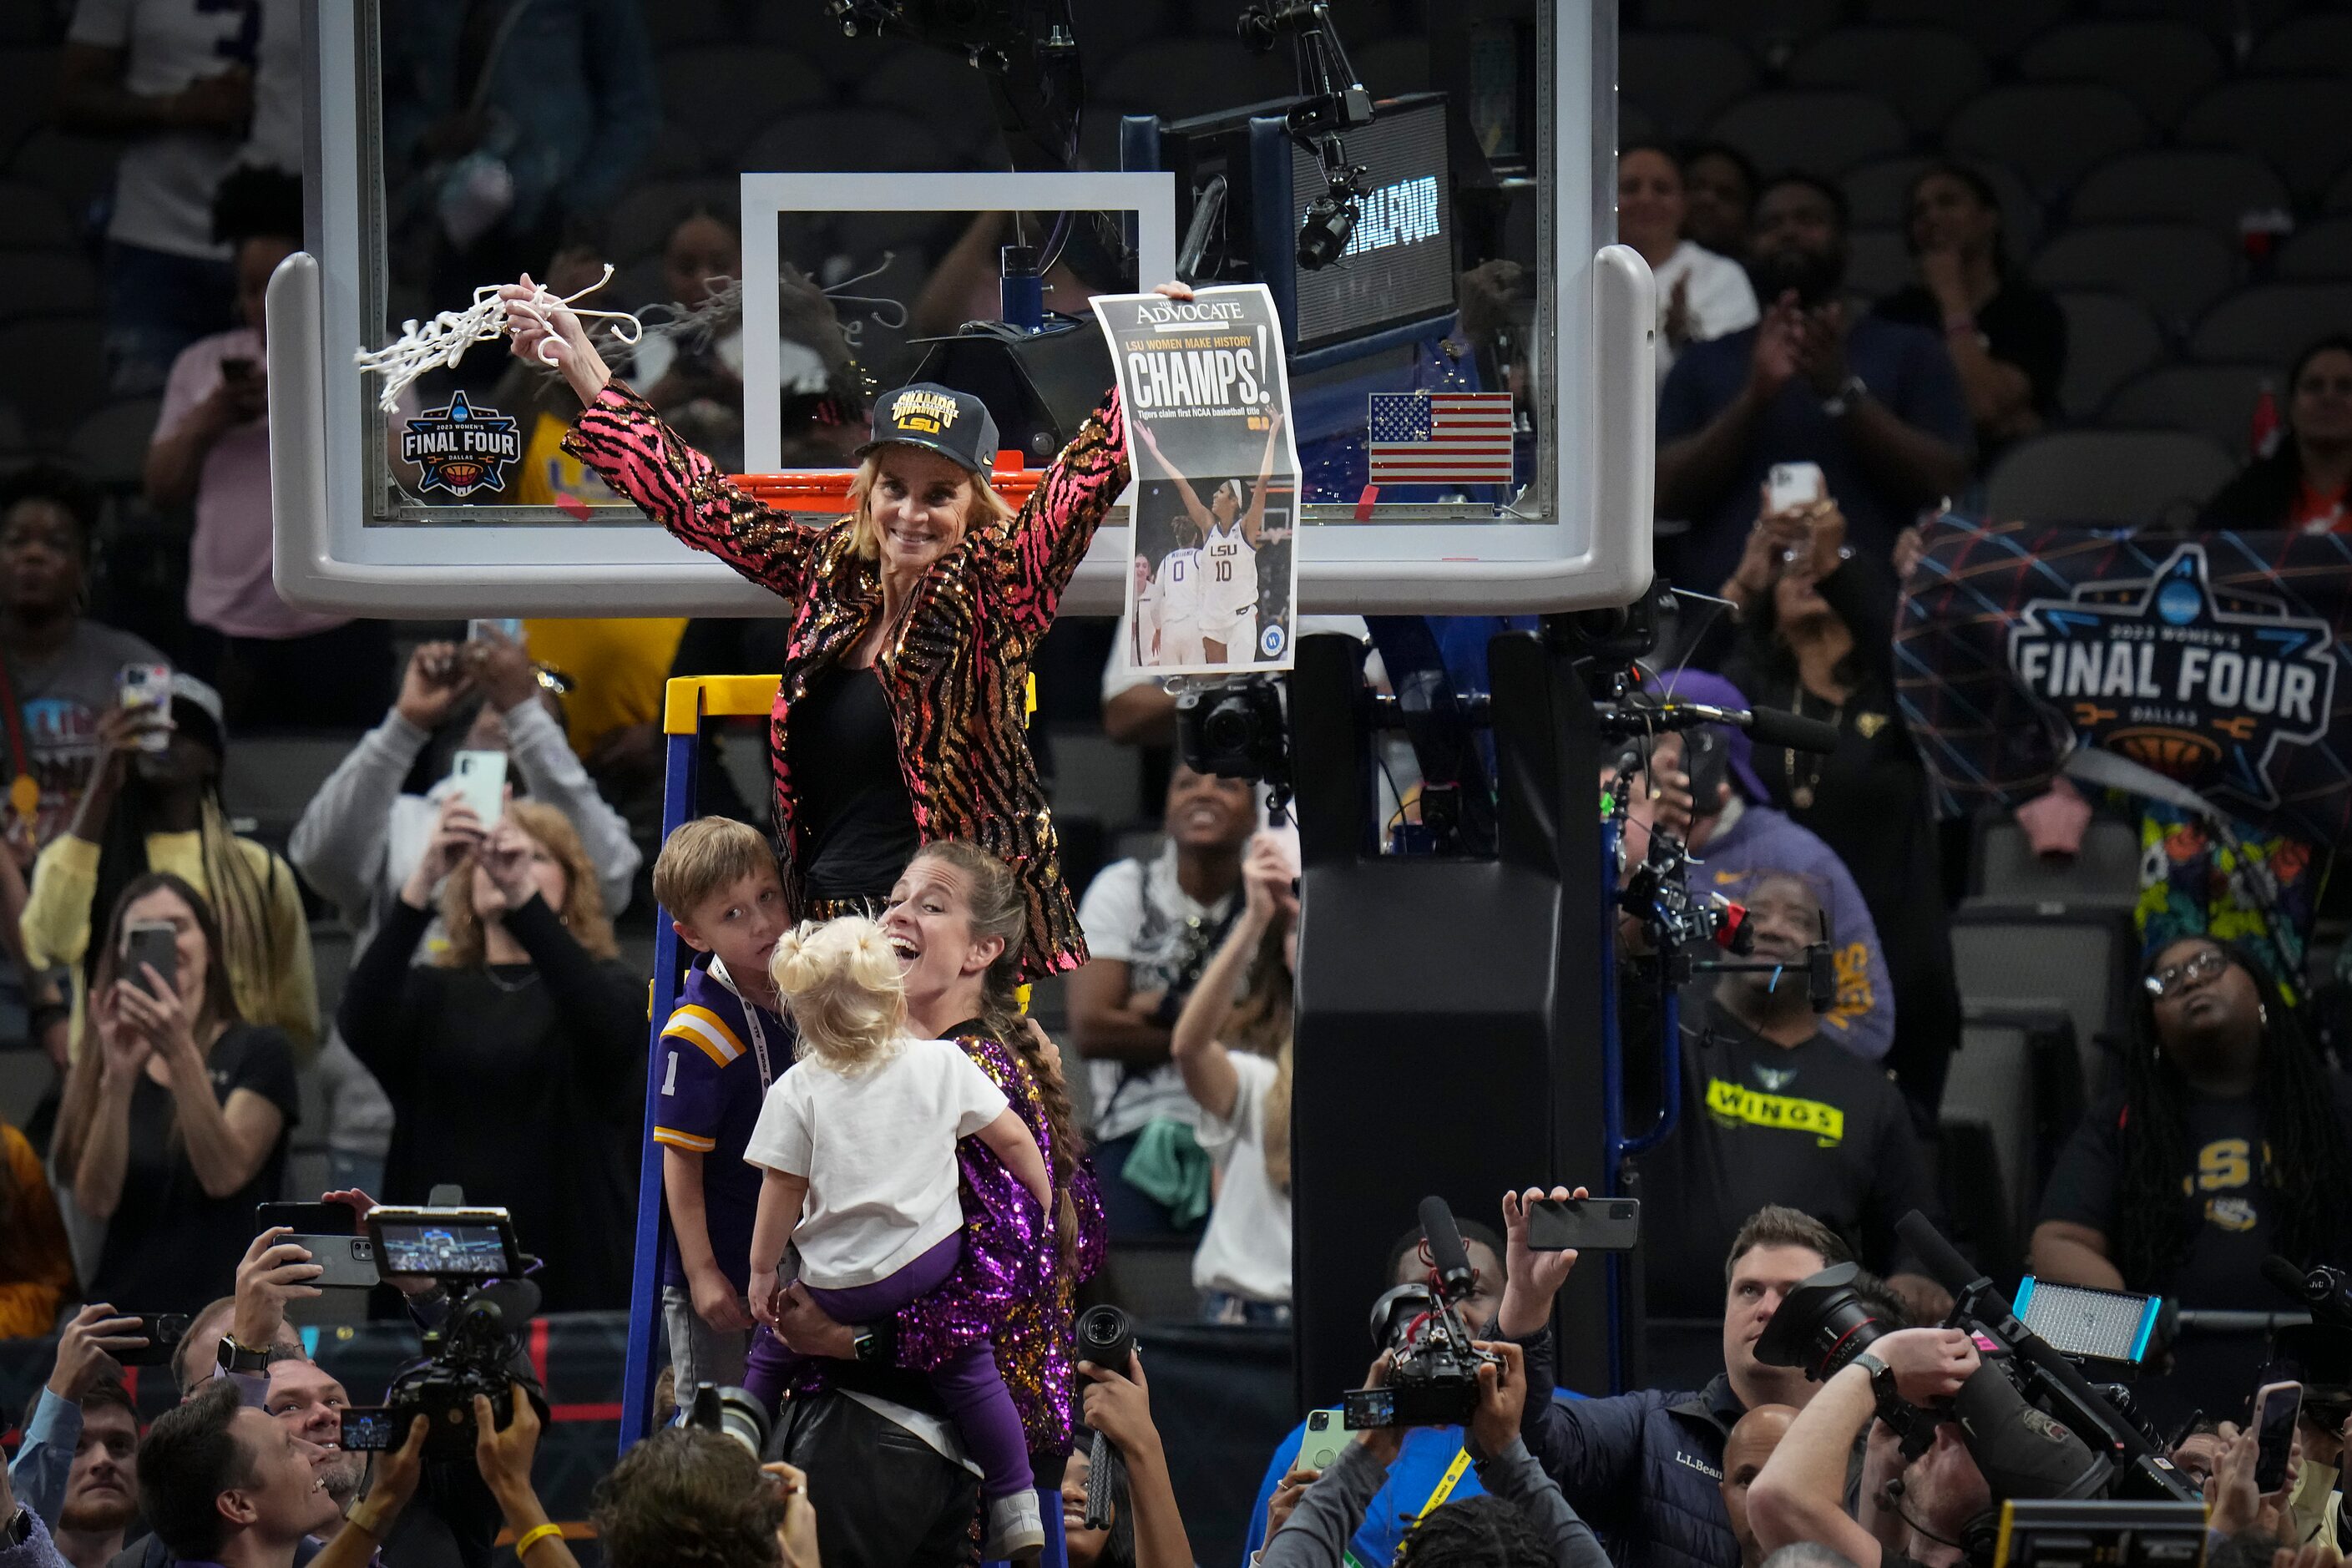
x=1432, y=1379
x=2036, y=1426
x=476, y=1348
x=1235, y=730
x=730, y=1412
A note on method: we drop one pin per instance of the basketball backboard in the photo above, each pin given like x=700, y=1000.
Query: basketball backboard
x=854, y=183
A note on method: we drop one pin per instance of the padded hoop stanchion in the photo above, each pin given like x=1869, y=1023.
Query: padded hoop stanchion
x=688, y=702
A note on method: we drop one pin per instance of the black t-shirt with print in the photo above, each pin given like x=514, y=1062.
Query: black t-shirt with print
x=2231, y=1216
x=1813, y=1126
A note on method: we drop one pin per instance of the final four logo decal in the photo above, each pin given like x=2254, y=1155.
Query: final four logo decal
x=2201, y=687
x=462, y=448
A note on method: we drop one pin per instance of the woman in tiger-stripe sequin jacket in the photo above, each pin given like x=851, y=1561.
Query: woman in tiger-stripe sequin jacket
x=931, y=582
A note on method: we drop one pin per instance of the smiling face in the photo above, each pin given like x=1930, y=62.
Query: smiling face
x=166, y=907
x=1649, y=202
x=102, y=1490
x=920, y=505
x=1786, y=917
x=1205, y=812
x=308, y=1402
x=928, y=923
x=40, y=560
x=1085, y=1546
x=284, y=1499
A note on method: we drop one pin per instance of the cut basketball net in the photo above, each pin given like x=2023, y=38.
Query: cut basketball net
x=443, y=341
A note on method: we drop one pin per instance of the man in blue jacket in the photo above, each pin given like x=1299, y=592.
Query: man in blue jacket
x=1644, y=1468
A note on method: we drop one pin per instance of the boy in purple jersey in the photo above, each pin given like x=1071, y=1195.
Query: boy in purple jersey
x=725, y=1043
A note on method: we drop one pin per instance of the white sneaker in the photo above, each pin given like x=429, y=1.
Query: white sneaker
x=1015, y=1532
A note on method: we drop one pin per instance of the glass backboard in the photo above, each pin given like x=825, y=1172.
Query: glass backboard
x=754, y=174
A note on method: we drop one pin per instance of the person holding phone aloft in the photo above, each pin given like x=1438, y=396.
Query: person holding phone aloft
x=175, y=1112
x=1236, y=1059
x=514, y=1056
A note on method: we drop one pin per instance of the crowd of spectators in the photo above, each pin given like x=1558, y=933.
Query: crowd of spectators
x=490, y=1032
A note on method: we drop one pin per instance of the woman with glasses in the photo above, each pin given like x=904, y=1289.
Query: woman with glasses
x=2223, y=1141
x=2306, y=484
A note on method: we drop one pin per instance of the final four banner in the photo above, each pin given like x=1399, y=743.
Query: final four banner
x=2218, y=660
x=1212, y=581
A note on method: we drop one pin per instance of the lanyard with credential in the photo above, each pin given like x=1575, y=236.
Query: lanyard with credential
x=750, y=1021
x=1443, y=1489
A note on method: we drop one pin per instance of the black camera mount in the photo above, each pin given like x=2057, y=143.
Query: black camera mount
x=1331, y=103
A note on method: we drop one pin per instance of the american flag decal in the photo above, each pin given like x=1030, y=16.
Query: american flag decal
x=1441, y=437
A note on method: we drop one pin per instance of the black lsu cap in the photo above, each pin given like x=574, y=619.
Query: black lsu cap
x=955, y=424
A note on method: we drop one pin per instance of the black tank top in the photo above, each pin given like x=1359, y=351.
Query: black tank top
x=843, y=755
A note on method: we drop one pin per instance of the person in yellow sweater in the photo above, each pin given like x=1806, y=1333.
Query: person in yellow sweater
x=160, y=810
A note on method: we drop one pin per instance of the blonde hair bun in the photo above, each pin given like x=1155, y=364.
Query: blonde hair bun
x=842, y=984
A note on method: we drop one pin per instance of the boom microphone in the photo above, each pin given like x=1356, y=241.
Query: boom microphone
x=1446, y=1252
x=2326, y=1291
x=1793, y=730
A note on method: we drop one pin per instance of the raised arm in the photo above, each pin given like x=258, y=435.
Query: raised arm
x=619, y=435
x=226, y=1141
x=1207, y=1067
x=1254, y=520
x=1194, y=507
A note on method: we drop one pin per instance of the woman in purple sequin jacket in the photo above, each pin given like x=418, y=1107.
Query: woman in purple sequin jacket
x=957, y=917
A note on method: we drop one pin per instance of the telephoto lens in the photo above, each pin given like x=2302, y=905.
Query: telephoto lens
x=731, y=1413
x=1107, y=1338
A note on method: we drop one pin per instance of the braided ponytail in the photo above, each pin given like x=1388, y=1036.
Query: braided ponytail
x=1000, y=910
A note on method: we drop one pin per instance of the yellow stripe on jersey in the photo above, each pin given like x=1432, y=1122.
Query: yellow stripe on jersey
x=676, y=1140
x=706, y=1029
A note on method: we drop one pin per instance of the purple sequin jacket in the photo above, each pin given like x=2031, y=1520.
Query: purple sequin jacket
x=1011, y=1287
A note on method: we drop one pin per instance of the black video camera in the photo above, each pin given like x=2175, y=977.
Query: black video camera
x=1433, y=1378
x=476, y=1347
x=2034, y=1425
x=1235, y=730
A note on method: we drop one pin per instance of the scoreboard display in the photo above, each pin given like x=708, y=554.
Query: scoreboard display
x=1398, y=264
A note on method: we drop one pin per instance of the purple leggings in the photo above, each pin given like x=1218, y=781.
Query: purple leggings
x=967, y=1382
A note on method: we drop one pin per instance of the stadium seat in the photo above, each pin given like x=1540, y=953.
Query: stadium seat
x=2338, y=198
x=2321, y=251
x=46, y=283
x=25, y=1077
x=270, y=779
x=675, y=155
x=1823, y=133
x=53, y=369
x=2271, y=322
x=1928, y=71
x=2032, y=956
x=2317, y=40
x=2159, y=65
x=2299, y=123
x=674, y=24
x=935, y=85
x=109, y=445
x=2049, y=132
x=1875, y=194
x=331, y=959
x=2004, y=868
x=76, y=169
x=2209, y=187
x=1177, y=78
x=722, y=94
x=29, y=73
x=2222, y=16
x=1996, y=27
x=1683, y=79
x=1769, y=25
x=2175, y=269
x=1878, y=262
x=33, y=218
x=2109, y=338
x=2010, y=1098
x=2107, y=477
x=853, y=139
x=2216, y=401
x=1392, y=66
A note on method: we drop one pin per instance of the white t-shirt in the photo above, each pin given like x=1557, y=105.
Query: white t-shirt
x=1229, y=572
x=878, y=1150
x=1136, y=913
x=1718, y=300
x=1245, y=1250
x=165, y=181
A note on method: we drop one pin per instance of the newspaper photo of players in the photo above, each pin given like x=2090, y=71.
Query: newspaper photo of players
x=1212, y=587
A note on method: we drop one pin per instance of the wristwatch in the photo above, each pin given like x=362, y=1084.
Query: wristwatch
x=235, y=1357
x=1850, y=392
x=869, y=1345
x=1882, y=1376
